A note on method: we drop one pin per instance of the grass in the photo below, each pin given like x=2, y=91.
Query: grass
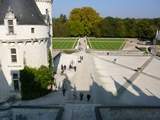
x=64, y=43
x=106, y=44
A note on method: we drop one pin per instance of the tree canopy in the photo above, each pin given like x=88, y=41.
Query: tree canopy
x=86, y=21
x=83, y=20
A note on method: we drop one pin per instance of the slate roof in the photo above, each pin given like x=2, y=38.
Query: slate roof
x=26, y=12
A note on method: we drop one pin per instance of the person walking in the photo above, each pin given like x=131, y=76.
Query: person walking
x=88, y=97
x=62, y=67
x=81, y=96
x=75, y=68
x=65, y=67
x=64, y=91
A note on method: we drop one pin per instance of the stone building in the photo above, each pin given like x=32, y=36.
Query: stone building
x=25, y=38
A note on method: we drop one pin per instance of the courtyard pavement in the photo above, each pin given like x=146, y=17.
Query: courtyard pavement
x=109, y=80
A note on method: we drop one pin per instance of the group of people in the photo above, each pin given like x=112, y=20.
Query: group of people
x=80, y=59
x=81, y=95
x=64, y=67
x=73, y=67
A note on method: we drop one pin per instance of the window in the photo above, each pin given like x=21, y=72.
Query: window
x=13, y=51
x=10, y=27
x=32, y=30
x=46, y=11
x=15, y=79
x=10, y=22
x=13, y=55
x=15, y=76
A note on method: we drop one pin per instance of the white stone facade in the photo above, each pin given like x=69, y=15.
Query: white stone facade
x=45, y=6
x=20, y=45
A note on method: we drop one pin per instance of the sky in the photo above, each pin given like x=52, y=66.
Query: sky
x=113, y=8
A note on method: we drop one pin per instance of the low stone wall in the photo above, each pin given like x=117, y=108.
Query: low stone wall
x=127, y=113
x=120, y=53
x=31, y=113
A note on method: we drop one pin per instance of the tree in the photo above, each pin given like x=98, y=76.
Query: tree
x=60, y=26
x=86, y=21
x=34, y=82
x=82, y=20
x=145, y=29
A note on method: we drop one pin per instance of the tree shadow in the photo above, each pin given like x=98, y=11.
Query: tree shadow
x=124, y=96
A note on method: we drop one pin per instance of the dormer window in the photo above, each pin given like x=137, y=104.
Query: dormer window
x=10, y=27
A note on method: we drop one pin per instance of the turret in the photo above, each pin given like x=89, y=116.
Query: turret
x=45, y=6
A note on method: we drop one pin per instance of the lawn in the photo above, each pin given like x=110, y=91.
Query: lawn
x=106, y=44
x=64, y=43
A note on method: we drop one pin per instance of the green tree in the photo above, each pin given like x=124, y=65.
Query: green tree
x=60, y=26
x=82, y=20
x=34, y=82
x=145, y=29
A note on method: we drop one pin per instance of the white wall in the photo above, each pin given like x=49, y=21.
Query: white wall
x=29, y=46
x=35, y=55
x=34, y=52
x=43, y=5
x=24, y=32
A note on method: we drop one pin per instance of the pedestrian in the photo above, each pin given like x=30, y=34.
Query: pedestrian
x=64, y=91
x=64, y=67
x=88, y=97
x=75, y=68
x=115, y=60
x=81, y=96
x=70, y=66
x=61, y=67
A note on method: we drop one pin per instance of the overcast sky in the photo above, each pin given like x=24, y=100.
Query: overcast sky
x=114, y=8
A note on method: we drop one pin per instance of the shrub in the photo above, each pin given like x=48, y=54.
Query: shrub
x=34, y=82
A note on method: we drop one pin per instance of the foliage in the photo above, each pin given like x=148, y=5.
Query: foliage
x=83, y=20
x=50, y=60
x=34, y=82
x=60, y=27
x=86, y=21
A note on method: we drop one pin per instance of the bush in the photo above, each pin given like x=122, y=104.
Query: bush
x=34, y=82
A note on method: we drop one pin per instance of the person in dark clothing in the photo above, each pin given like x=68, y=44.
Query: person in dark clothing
x=75, y=68
x=64, y=91
x=81, y=57
x=88, y=97
x=70, y=66
x=81, y=96
x=61, y=67
x=64, y=67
